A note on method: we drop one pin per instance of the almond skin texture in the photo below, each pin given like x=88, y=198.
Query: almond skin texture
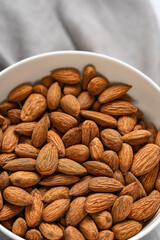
x=21, y=164
x=126, y=229
x=51, y=231
x=102, y=219
x=33, y=212
x=59, y=179
x=56, y=193
x=85, y=100
x=47, y=81
x=39, y=88
x=72, y=89
x=111, y=159
x=81, y=188
x=78, y=153
x=88, y=228
x=14, y=115
x=96, y=149
x=39, y=134
x=72, y=233
x=19, y=227
x=70, y=105
x=47, y=160
x=89, y=131
x=131, y=189
x=145, y=159
x=125, y=157
x=118, y=107
x=1, y=119
x=72, y=137
x=111, y=139
x=5, y=106
x=98, y=168
x=53, y=96
x=33, y=234
x=157, y=183
x=10, y=140
x=96, y=106
x=33, y=107
x=106, y=235
x=118, y=176
x=152, y=129
x=66, y=75
x=101, y=119
x=4, y=180
x=25, y=128
x=57, y=141
x=88, y=73
x=105, y=184
x=126, y=124
x=97, y=85
x=157, y=141
x=97, y=202
x=9, y=211
x=62, y=121
x=24, y=179
x=121, y=208
x=55, y=210
x=6, y=123
x=71, y=167
x=26, y=150
x=137, y=137
x=20, y=93
x=1, y=137
x=76, y=206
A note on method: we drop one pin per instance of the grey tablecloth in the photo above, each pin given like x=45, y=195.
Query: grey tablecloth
x=124, y=29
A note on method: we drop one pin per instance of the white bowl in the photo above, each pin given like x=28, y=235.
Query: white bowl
x=145, y=92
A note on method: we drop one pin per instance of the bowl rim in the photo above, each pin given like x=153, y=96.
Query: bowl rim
x=85, y=53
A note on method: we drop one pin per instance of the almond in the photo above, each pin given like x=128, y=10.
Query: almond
x=96, y=149
x=105, y=184
x=98, y=168
x=152, y=129
x=89, y=131
x=72, y=136
x=111, y=139
x=118, y=176
x=14, y=115
x=81, y=188
x=1, y=119
x=143, y=124
x=47, y=81
x=106, y=235
x=1, y=137
x=102, y=219
x=9, y=211
x=56, y=193
x=17, y=196
x=121, y=208
x=25, y=128
x=24, y=179
x=101, y=119
x=88, y=73
x=53, y=96
x=157, y=183
x=78, y=153
x=71, y=167
x=10, y=140
x=8, y=224
x=111, y=159
x=113, y=93
x=125, y=124
x=50, y=231
x=57, y=141
x=118, y=107
x=125, y=157
x=137, y=127
x=72, y=233
x=33, y=234
x=85, y=100
x=88, y=228
x=137, y=137
x=33, y=212
x=25, y=150
x=5, y=106
x=145, y=159
x=97, y=202
x=20, y=93
x=74, y=89
x=47, y=160
x=6, y=123
x=97, y=85
x=62, y=121
x=66, y=75
x=131, y=189
x=96, y=106
x=55, y=210
x=157, y=141
x=21, y=164
x=19, y=227
x=1, y=201
x=126, y=229
x=4, y=180
x=70, y=105
x=39, y=134
x=76, y=206
x=39, y=88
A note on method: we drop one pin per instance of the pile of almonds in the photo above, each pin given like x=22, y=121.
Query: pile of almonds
x=76, y=160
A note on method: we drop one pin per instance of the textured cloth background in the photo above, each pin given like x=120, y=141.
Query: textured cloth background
x=124, y=29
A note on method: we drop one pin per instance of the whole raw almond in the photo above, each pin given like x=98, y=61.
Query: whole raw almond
x=71, y=167
x=33, y=212
x=97, y=85
x=131, y=189
x=20, y=93
x=88, y=73
x=118, y=107
x=51, y=231
x=89, y=131
x=78, y=152
x=157, y=183
x=47, y=160
x=55, y=210
x=121, y=208
x=72, y=137
x=21, y=164
x=145, y=159
x=58, y=180
x=70, y=105
x=4, y=180
x=74, y=89
x=111, y=139
x=24, y=179
x=9, y=211
x=111, y=159
x=97, y=202
x=47, y=81
x=40, y=88
x=33, y=234
x=26, y=150
x=105, y=184
x=66, y=75
x=72, y=233
x=5, y=106
x=126, y=124
x=119, y=176
x=113, y=93
x=39, y=134
x=88, y=228
x=1, y=201
x=137, y=137
x=125, y=157
x=96, y=149
x=81, y=188
x=101, y=119
x=63, y=121
x=76, y=206
x=85, y=100
x=14, y=115
x=53, y=96
x=17, y=196
x=98, y=168
x=56, y=193
x=127, y=229
x=106, y=235
x=25, y=128
x=157, y=141
x=57, y=141
x=19, y=227
x=152, y=129
x=102, y=219
x=10, y=140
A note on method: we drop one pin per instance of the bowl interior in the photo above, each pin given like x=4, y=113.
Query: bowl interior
x=145, y=93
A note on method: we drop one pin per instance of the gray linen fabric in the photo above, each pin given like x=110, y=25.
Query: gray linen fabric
x=124, y=29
